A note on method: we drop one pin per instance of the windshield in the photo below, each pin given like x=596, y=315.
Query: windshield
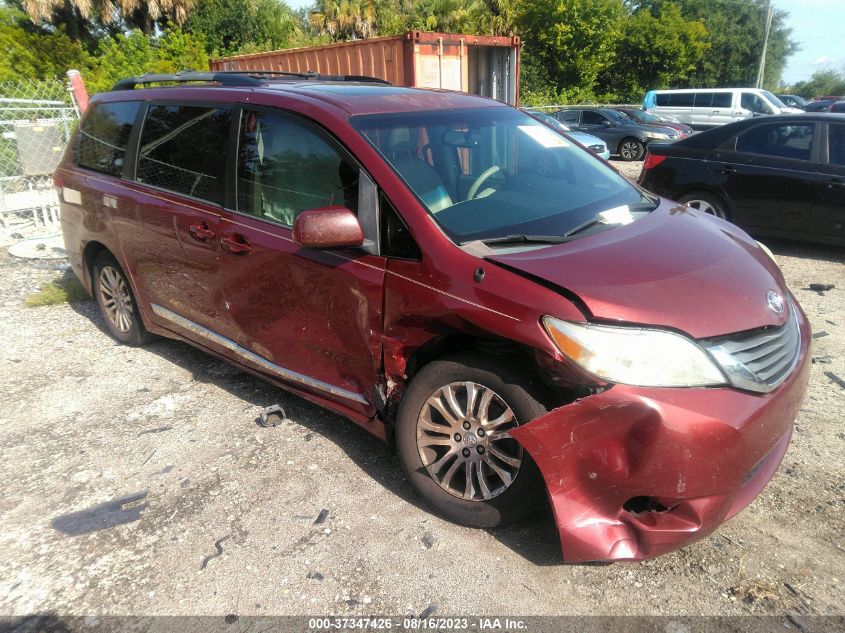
x=619, y=116
x=643, y=117
x=773, y=99
x=493, y=172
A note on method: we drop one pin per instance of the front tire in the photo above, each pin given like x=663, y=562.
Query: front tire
x=452, y=438
x=707, y=203
x=117, y=301
x=631, y=149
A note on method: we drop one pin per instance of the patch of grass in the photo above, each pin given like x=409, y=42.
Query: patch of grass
x=57, y=291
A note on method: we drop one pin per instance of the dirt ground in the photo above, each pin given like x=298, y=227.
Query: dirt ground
x=136, y=481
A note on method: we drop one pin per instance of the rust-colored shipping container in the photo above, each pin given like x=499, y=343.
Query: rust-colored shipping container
x=480, y=64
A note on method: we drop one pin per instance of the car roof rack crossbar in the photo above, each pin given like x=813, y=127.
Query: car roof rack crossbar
x=236, y=78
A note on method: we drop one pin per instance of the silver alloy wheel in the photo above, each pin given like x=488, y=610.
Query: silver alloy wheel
x=463, y=441
x=630, y=150
x=706, y=207
x=115, y=297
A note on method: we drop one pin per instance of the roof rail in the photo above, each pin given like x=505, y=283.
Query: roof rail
x=236, y=78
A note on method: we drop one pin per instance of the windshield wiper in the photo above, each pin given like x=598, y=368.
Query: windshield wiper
x=572, y=233
x=527, y=239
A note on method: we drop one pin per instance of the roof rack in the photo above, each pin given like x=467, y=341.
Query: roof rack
x=237, y=78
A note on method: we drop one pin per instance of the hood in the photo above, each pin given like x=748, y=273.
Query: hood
x=789, y=110
x=676, y=268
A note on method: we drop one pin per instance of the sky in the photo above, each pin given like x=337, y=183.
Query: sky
x=817, y=25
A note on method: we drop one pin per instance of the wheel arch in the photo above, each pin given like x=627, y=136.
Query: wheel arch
x=400, y=369
x=89, y=256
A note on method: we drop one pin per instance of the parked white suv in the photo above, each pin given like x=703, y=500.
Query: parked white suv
x=707, y=108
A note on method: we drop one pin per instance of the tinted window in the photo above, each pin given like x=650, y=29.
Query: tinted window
x=703, y=99
x=103, y=135
x=287, y=166
x=778, y=139
x=836, y=143
x=722, y=100
x=592, y=118
x=183, y=149
x=567, y=116
x=681, y=99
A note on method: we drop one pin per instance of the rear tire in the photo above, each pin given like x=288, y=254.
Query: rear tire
x=117, y=302
x=464, y=463
x=706, y=202
x=630, y=149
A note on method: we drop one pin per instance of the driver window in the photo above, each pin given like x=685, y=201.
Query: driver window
x=287, y=165
x=755, y=103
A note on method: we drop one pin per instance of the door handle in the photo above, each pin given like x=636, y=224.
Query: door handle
x=834, y=182
x=201, y=231
x=236, y=244
x=727, y=169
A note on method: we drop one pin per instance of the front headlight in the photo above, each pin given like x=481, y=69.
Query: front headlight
x=657, y=135
x=635, y=356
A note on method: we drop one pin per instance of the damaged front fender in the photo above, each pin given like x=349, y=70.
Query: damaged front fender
x=635, y=472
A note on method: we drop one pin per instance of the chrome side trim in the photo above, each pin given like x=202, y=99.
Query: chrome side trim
x=245, y=354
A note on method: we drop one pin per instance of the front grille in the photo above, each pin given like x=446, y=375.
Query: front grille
x=759, y=360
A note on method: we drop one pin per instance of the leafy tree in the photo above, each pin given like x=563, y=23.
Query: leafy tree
x=237, y=26
x=654, y=51
x=823, y=82
x=32, y=54
x=568, y=43
x=736, y=29
x=136, y=54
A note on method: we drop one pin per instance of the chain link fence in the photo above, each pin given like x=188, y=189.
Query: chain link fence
x=36, y=122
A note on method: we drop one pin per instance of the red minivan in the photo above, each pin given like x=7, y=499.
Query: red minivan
x=457, y=278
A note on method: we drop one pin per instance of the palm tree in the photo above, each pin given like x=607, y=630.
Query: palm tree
x=134, y=13
x=344, y=19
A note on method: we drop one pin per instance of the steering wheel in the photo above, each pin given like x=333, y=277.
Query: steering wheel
x=485, y=175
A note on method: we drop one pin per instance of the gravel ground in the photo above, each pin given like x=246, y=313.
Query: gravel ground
x=85, y=423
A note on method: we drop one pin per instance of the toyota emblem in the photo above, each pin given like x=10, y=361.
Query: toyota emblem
x=775, y=302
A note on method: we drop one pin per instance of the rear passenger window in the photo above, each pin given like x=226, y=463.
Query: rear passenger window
x=287, y=165
x=836, y=144
x=681, y=99
x=567, y=116
x=722, y=99
x=703, y=99
x=103, y=135
x=183, y=149
x=778, y=139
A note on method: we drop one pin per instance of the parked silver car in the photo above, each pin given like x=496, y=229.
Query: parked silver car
x=592, y=143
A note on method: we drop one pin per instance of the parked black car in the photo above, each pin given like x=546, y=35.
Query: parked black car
x=778, y=176
x=822, y=105
x=838, y=106
x=623, y=135
x=794, y=101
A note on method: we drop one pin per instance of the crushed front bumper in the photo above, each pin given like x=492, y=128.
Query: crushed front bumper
x=636, y=472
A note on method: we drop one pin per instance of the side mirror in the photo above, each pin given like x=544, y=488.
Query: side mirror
x=327, y=227
x=606, y=123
